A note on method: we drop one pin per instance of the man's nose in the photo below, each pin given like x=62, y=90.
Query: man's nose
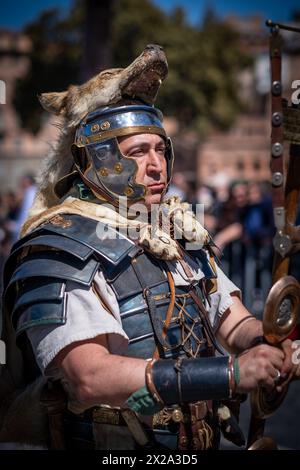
x=154, y=161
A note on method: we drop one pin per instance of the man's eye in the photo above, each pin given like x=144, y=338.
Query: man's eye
x=136, y=153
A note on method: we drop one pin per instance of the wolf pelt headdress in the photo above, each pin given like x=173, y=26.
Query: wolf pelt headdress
x=139, y=81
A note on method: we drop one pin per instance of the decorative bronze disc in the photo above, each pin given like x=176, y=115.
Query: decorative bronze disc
x=281, y=311
x=280, y=318
x=264, y=404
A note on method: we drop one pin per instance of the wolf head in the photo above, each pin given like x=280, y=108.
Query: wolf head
x=140, y=81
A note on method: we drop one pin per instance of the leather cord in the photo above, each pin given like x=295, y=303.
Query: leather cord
x=169, y=311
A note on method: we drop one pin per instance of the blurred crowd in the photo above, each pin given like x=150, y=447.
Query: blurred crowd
x=239, y=216
x=14, y=207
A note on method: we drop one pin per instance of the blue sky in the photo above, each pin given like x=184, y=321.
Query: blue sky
x=16, y=14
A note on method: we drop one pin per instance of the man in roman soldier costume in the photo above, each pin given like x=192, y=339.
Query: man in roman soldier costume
x=127, y=336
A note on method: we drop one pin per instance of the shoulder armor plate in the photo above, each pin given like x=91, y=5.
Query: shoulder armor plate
x=52, y=264
x=36, y=303
x=101, y=238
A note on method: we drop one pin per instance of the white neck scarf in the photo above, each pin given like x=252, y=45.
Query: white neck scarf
x=178, y=222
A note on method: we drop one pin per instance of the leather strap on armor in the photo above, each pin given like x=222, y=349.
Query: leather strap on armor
x=155, y=320
x=211, y=341
x=169, y=311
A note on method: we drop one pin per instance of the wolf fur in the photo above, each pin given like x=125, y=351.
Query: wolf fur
x=139, y=81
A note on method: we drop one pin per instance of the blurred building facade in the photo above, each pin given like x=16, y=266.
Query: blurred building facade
x=241, y=154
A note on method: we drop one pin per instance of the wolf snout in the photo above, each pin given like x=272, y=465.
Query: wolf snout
x=154, y=46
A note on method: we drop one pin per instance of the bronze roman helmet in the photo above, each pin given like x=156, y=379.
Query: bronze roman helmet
x=98, y=159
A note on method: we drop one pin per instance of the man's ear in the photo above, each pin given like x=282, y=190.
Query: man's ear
x=54, y=102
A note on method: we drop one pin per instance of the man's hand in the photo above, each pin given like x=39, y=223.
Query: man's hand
x=291, y=365
x=259, y=366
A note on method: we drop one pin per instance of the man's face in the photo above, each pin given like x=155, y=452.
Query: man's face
x=240, y=194
x=148, y=150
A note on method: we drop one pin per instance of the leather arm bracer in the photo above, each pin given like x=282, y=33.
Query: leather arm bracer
x=190, y=380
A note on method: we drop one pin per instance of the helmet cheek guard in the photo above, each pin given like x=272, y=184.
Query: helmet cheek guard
x=109, y=173
x=98, y=159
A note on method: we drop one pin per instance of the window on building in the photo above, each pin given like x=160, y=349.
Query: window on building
x=257, y=165
x=240, y=165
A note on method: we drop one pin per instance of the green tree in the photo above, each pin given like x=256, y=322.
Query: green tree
x=204, y=60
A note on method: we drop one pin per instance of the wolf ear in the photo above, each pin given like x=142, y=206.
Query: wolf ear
x=54, y=102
